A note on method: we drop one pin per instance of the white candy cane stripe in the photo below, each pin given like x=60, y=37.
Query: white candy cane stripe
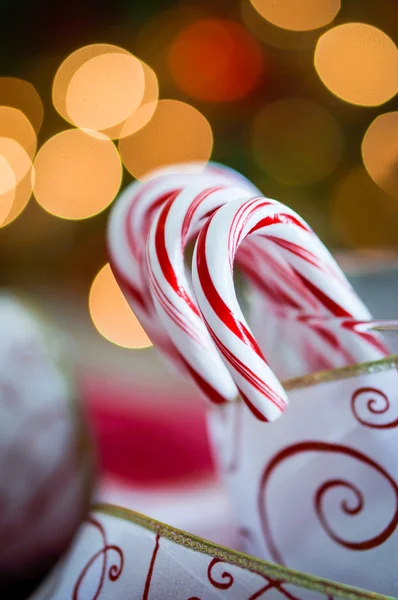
x=178, y=221
x=213, y=283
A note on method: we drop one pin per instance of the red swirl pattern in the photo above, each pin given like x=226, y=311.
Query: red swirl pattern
x=225, y=585
x=376, y=403
x=113, y=572
x=319, y=496
x=271, y=584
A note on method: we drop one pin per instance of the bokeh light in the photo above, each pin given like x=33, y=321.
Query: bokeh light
x=215, y=60
x=358, y=63
x=144, y=113
x=296, y=141
x=15, y=179
x=77, y=175
x=16, y=126
x=21, y=94
x=105, y=91
x=360, y=212
x=17, y=159
x=298, y=16
x=176, y=133
x=99, y=94
x=111, y=314
x=7, y=188
x=20, y=197
x=69, y=67
x=380, y=153
x=264, y=30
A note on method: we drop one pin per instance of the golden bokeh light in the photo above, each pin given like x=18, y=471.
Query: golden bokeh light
x=176, y=133
x=296, y=141
x=71, y=65
x=17, y=159
x=144, y=112
x=111, y=314
x=7, y=188
x=215, y=60
x=358, y=63
x=7, y=175
x=360, y=212
x=380, y=153
x=16, y=126
x=21, y=195
x=105, y=91
x=15, y=180
x=20, y=94
x=77, y=175
x=298, y=16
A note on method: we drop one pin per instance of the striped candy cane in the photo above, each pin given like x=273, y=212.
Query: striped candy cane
x=128, y=228
x=179, y=220
x=212, y=272
x=276, y=284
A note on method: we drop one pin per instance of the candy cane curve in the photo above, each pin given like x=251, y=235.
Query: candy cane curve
x=180, y=218
x=215, y=250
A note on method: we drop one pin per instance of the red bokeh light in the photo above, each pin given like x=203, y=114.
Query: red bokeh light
x=216, y=60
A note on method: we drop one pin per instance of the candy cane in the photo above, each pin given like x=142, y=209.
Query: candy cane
x=215, y=250
x=178, y=221
x=280, y=289
x=128, y=227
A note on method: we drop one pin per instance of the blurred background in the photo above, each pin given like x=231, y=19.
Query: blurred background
x=299, y=96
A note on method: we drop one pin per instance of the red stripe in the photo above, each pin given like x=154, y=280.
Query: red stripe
x=247, y=373
x=373, y=341
x=371, y=338
x=276, y=219
x=301, y=252
x=330, y=338
x=173, y=313
x=206, y=388
x=330, y=304
x=163, y=257
x=254, y=410
x=215, y=300
x=193, y=206
x=134, y=243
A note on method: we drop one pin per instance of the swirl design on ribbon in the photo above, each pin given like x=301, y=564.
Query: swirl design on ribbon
x=270, y=584
x=223, y=585
x=376, y=403
x=347, y=508
x=113, y=572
